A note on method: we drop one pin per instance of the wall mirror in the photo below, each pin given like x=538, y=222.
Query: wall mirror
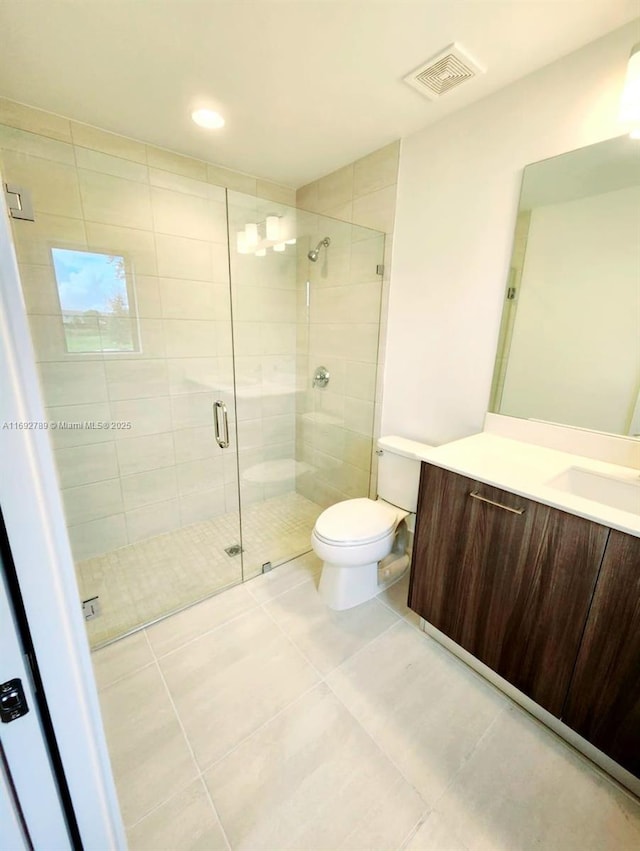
x=569, y=344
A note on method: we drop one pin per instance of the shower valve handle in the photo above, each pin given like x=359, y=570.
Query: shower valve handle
x=321, y=377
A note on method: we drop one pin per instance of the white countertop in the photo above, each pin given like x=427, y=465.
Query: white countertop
x=526, y=469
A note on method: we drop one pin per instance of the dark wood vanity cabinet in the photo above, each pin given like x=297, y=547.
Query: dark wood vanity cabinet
x=548, y=600
x=603, y=704
x=508, y=579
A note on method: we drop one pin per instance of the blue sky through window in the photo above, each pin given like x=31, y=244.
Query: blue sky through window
x=89, y=281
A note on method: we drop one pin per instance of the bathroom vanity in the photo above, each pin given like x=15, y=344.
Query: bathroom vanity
x=526, y=561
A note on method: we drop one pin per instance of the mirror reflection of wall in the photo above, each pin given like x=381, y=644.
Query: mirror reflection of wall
x=569, y=350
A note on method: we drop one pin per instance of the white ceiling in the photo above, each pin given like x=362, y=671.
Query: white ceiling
x=305, y=85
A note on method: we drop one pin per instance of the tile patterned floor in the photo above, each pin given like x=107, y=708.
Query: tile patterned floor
x=259, y=720
x=142, y=582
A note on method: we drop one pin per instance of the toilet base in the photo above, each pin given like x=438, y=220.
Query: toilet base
x=345, y=587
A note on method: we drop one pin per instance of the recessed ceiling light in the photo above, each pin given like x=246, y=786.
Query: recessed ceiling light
x=208, y=118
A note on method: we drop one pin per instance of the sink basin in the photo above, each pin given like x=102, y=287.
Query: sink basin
x=621, y=493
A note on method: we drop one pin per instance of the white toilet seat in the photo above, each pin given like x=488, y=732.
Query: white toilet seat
x=356, y=522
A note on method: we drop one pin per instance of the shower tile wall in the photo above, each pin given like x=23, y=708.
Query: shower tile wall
x=363, y=193
x=338, y=321
x=163, y=212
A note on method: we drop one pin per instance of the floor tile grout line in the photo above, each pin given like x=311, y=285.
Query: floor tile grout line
x=257, y=729
x=298, y=650
x=180, y=789
x=191, y=751
x=379, y=746
x=121, y=677
x=213, y=629
x=503, y=709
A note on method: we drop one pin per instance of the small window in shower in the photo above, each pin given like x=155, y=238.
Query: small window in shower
x=96, y=301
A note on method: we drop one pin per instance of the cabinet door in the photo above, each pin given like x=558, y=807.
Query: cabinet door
x=511, y=588
x=604, y=699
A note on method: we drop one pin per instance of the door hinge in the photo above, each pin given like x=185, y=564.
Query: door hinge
x=380, y=269
x=511, y=293
x=19, y=202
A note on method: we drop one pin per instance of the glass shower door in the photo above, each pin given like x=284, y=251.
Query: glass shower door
x=302, y=445
x=125, y=278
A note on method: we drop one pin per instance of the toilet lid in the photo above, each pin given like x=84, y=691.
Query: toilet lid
x=355, y=521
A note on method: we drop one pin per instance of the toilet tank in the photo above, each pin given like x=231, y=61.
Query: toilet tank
x=399, y=471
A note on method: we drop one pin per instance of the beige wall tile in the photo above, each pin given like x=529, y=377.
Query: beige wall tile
x=33, y=239
x=181, y=215
x=190, y=338
x=148, y=487
x=335, y=189
x=82, y=465
x=115, y=201
x=193, y=375
x=195, y=443
x=98, y=536
x=234, y=180
x=201, y=475
x=202, y=505
x=92, y=501
x=39, y=289
x=193, y=410
x=136, y=379
x=376, y=210
x=34, y=120
x=179, y=257
x=307, y=197
x=73, y=383
x=275, y=192
x=62, y=437
x=150, y=520
x=186, y=185
x=53, y=185
x=141, y=454
x=145, y=417
x=108, y=143
x=170, y=161
x=137, y=245
x=376, y=170
x=32, y=144
x=184, y=299
x=356, y=302
x=108, y=164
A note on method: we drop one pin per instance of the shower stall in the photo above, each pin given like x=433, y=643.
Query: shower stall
x=177, y=328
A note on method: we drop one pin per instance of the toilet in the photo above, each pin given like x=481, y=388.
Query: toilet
x=363, y=542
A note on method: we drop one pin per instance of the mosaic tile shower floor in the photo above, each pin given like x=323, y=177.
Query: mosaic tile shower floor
x=141, y=582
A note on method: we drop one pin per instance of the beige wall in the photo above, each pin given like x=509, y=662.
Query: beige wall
x=166, y=214
x=362, y=193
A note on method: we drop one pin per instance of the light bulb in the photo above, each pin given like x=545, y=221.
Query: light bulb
x=251, y=234
x=208, y=119
x=273, y=228
x=241, y=242
x=630, y=100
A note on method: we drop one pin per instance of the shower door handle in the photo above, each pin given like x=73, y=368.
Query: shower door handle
x=218, y=407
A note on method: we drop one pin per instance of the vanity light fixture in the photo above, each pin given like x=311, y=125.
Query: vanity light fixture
x=256, y=237
x=207, y=118
x=630, y=101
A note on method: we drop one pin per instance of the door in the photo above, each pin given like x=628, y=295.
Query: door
x=33, y=811
x=508, y=579
x=603, y=704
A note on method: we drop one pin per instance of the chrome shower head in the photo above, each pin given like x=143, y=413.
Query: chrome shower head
x=313, y=254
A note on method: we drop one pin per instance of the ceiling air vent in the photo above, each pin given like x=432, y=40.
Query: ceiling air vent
x=444, y=72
